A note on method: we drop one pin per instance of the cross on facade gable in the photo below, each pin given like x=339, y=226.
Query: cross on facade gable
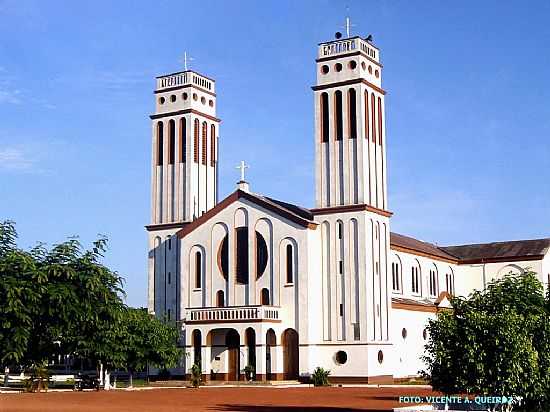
x=242, y=166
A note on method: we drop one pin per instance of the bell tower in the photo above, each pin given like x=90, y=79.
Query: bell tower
x=350, y=138
x=184, y=176
x=185, y=144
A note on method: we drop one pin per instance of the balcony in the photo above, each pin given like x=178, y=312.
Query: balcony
x=232, y=314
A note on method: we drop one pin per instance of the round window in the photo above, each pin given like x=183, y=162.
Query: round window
x=404, y=333
x=203, y=100
x=370, y=69
x=377, y=74
x=338, y=67
x=363, y=65
x=380, y=356
x=162, y=100
x=324, y=69
x=195, y=97
x=353, y=65
x=211, y=103
x=184, y=96
x=341, y=357
x=173, y=98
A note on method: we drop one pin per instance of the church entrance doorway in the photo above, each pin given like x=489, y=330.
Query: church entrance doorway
x=270, y=343
x=251, y=348
x=290, y=354
x=232, y=342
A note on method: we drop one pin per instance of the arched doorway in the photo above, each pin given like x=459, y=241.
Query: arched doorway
x=197, y=346
x=232, y=342
x=270, y=343
x=251, y=346
x=290, y=354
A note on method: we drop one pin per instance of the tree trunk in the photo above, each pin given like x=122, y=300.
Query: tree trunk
x=131, y=379
x=107, y=380
x=100, y=374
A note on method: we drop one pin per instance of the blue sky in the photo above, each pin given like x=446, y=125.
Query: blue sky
x=468, y=111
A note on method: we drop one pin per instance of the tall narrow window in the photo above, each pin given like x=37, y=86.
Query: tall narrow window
x=339, y=131
x=212, y=145
x=160, y=143
x=415, y=272
x=183, y=140
x=396, y=276
x=198, y=270
x=242, y=255
x=373, y=118
x=264, y=298
x=433, y=282
x=366, y=115
x=220, y=299
x=324, y=118
x=196, y=141
x=204, y=141
x=380, y=121
x=352, y=114
x=289, y=264
x=172, y=141
x=340, y=229
x=449, y=277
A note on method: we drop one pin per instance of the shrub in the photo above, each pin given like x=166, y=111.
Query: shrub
x=196, y=375
x=320, y=377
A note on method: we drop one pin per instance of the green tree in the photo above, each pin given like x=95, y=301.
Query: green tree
x=148, y=340
x=62, y=300
x=495, y=342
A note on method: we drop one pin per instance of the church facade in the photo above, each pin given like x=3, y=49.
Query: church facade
x=255, y=281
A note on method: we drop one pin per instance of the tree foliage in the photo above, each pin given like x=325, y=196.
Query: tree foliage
x=495, y=342
x=63, y=300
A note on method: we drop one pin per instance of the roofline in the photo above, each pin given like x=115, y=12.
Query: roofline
x=240, y=194
x=417, y=252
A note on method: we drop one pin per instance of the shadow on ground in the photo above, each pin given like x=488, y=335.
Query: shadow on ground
x=281, y=408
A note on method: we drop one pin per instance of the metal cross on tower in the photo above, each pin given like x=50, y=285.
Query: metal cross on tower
x=187, y=59
x=243, y=166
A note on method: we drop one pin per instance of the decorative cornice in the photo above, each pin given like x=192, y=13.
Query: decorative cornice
x=351, y=208
x=165, y=226
x=355, y=53
x=185, y=111
x=185, y=86
x=347, y=83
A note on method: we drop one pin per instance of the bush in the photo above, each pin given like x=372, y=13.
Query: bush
x=320, y=377
x=196, y=375
x=164, y=374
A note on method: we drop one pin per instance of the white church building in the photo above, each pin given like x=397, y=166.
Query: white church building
x=252, y=280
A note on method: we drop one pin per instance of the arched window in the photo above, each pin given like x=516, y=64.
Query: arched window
x=289, y=264
x=433, y=282
x=223, y=258
x=450, y=281
x=183, y=140
x=415, y=279
x=380, y=121
x=196, y=141
x=352, y=114
x=197, y=346
x=264, y=298
x=242, y=255
x=172, y=142
x=198, y=270
x=339, y=126
x=204, y=142
x=212, y=145
x=160, y=143
x=340, y=229
x=373, y=118
x=220, y=299
x=324, y=118
x=396, y=275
